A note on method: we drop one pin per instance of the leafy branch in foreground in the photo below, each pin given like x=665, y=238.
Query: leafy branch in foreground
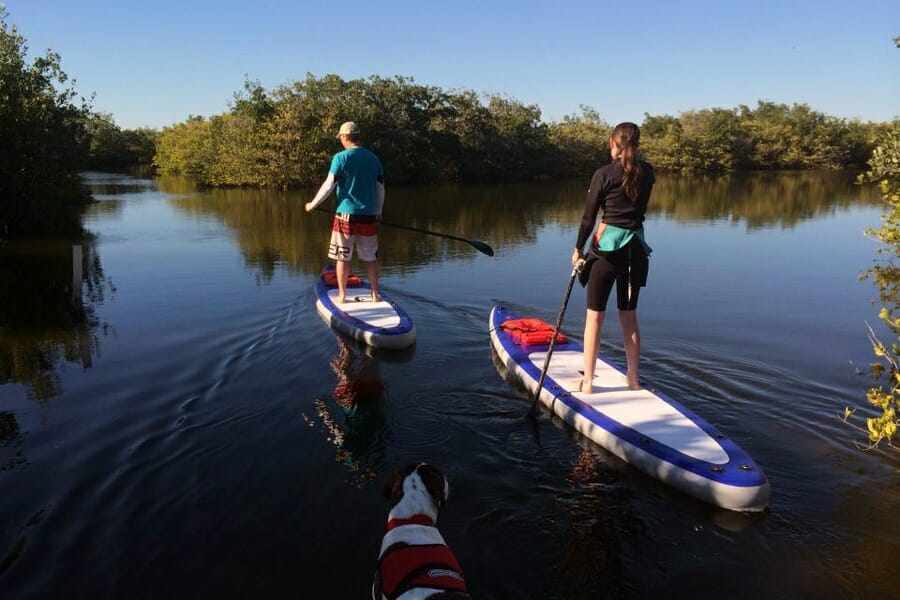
x=884, y=168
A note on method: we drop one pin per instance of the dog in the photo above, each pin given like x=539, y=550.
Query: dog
x=415, y=561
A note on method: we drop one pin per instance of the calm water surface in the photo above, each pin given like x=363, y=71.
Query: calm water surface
x=176, y=420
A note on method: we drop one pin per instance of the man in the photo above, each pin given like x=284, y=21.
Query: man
x=359, y=178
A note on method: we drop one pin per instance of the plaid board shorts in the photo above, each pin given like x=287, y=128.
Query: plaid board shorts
x=348, y=231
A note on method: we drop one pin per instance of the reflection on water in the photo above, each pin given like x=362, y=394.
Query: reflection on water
x=274, y=231
x=599, y=516
x=353, y=418
x=759, y=199
x=49, y=295
x=49, y=291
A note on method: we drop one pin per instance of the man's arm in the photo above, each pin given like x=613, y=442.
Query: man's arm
x=379, y=196
x=324, y=191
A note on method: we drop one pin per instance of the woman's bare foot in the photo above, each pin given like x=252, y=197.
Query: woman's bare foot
x=584, y=388
x=376, y=297
x=338, y=299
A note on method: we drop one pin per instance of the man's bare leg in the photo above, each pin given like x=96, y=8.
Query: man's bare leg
x=343, y=270
x=372, y=274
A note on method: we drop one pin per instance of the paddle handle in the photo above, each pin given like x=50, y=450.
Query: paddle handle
x=559, y=319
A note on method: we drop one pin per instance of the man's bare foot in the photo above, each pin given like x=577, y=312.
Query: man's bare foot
x=376, y=297
x=633, y=383
x=583, y=387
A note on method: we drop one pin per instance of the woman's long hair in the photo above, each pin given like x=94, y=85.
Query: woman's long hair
x=627, y=136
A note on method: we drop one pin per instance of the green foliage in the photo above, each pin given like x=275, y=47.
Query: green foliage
x=884, y=168
x=111, y=148
x=520, y=142
x=581, y=143
x=44, y=144
x=285, y=138
x=661, y=142
x=705, y=141
x=424, y=134
x=797, y=137
x=185, y=149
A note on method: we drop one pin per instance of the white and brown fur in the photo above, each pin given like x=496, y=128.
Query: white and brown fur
x=418, y=492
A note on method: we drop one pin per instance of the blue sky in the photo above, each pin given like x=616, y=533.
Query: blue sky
x=155, y=63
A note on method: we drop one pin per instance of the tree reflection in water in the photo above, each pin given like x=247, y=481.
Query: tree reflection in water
x=49, y=290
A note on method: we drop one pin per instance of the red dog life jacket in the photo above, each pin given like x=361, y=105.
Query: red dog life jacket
x=424, y=560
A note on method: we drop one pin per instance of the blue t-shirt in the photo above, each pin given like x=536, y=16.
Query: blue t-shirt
x=356, y=171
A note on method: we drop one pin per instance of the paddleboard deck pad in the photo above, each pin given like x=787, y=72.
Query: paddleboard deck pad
x=645, y=428
x=380, y=324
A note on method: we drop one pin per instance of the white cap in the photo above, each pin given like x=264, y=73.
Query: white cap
x=348, y=128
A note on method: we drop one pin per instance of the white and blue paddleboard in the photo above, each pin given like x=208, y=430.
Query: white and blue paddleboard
x=644, y=428
x=380, y=324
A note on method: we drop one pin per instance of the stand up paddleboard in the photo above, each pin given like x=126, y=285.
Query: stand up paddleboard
x=380, y=324
x=645, y=429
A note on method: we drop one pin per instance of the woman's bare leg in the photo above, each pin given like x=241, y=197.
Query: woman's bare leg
x=632, y=337
x=593, y=326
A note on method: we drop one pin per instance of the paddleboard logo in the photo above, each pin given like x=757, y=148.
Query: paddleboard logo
x=433, y=573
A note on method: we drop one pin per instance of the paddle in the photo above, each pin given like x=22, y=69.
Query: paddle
x=477, y=244
x=559, y=318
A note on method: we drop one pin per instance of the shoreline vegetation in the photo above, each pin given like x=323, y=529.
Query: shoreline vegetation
x=284, y=138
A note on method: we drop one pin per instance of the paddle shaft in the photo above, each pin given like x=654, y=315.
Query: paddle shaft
x=477, y=244
x=559, y=320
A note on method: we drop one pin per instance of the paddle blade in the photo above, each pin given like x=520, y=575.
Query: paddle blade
x=482, y=247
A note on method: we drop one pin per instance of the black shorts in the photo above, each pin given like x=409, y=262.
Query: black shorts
x=627, y=267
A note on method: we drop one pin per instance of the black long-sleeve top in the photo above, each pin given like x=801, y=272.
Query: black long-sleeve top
x=606, y=192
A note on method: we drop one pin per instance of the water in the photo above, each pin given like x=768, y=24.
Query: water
x=185, y=425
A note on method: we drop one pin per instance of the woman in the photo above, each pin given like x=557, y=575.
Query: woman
x=618, y=253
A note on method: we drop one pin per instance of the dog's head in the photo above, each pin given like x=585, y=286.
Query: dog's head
x=417, y=489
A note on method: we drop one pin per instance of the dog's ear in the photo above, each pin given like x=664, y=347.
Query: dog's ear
x=391, y=486
x=435, y=483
